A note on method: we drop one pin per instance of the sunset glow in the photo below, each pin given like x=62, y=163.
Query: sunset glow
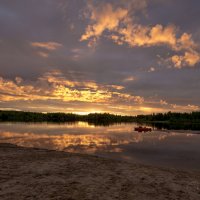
x=121, y=57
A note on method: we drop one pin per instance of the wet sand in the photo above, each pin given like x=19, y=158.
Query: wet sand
x=30, y=173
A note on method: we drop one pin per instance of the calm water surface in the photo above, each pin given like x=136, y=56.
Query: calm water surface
x=179, y=149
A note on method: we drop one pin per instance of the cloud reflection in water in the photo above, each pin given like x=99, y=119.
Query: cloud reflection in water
x=78, y=137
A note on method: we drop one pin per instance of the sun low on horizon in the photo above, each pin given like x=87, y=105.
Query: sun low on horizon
x=124, y=57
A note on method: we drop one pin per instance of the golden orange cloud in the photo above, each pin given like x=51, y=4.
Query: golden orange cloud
x=95, y=97
x=117, y=24
x=54, y=85
x=103, y=18
x=46, y=45
x=190, y=58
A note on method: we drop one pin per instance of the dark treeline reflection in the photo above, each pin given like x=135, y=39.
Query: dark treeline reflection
x=175, y=121
x=172, y=126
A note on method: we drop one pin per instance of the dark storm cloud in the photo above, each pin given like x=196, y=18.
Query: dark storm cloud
x=142, y=70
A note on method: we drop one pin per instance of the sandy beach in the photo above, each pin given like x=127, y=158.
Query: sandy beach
x=30, y=173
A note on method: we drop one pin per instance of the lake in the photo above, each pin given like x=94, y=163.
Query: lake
x=161, y=147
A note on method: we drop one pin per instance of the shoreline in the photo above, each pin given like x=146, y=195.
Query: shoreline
x=32, y=173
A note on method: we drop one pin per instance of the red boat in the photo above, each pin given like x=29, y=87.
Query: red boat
x=142, y=129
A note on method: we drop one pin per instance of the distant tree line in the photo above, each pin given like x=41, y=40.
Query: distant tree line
x=97, y=118
x=193, y=117
x=36, y=117
x=93, y=118
x=105, y=118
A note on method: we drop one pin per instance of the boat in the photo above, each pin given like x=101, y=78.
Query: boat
x=143, y=129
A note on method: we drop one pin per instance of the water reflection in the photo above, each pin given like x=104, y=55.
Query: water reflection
x=119, y=141
x=174, y=126
x=76, y=137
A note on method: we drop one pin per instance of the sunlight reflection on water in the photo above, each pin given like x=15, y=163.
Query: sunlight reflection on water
x=117, y=141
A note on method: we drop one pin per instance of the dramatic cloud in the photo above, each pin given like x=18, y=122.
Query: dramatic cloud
x=130, y=67
x=119, y=26
x=104, y=18
x=54, y=86
x=190, y=58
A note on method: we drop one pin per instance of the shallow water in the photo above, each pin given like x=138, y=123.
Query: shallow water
x=179, y=149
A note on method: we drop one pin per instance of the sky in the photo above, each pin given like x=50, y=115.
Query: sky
x=124, y=57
